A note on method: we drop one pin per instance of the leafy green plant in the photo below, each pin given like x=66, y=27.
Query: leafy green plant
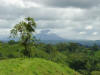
x=25, y=30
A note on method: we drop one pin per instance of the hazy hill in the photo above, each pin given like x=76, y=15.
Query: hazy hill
x=47, y=37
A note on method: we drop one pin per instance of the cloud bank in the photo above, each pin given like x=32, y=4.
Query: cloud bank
x=78, y=19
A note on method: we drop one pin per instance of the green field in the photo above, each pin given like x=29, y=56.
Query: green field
x=32, y=66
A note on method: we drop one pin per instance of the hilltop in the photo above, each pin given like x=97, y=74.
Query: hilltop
x=33, y=66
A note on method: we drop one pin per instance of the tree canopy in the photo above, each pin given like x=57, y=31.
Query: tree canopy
x=25, y=30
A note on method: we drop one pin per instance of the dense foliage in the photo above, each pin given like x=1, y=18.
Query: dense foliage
x=25, y=30
x=85, y=60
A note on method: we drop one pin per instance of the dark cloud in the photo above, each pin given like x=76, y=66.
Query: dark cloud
x=69, y=3
x=10, y=12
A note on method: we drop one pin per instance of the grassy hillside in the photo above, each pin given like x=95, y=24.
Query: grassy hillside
x=33, y=66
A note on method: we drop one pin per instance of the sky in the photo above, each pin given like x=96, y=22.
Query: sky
x=68, y=19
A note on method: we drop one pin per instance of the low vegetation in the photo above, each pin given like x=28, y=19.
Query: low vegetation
x=33, y=66
x=84, y=60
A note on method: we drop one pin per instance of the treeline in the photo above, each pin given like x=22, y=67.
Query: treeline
x=83, y=59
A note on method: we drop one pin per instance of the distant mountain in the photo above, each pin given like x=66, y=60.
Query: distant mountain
x=45, y=35
x=82, y=42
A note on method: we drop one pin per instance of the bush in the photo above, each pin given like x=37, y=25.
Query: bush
x=11, y=56
x=95, y=73
x=11, y=42
x=1, y=55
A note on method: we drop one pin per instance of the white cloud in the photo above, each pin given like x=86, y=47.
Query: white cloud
x=89, y=27
x=94, y=33
x=82, y=33
x=3, y=31
x=19, y=3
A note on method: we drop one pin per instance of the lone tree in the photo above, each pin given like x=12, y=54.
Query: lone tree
x=25, y=30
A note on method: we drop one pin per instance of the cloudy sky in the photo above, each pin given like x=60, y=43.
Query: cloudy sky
x=69, y=19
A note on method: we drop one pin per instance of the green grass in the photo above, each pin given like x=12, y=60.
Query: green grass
x=33, y=66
